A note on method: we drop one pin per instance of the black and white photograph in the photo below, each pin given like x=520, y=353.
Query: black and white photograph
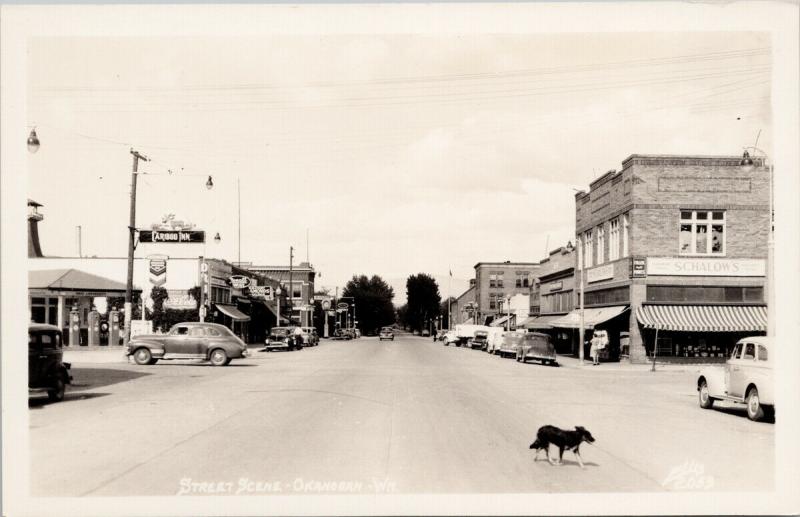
x=400, y=258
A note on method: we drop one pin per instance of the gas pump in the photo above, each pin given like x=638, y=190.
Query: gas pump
x=94, y=327
x=74, y=326
x=113, y=327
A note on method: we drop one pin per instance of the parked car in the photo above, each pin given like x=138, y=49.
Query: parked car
x=386, y=333
x=46, y=370
x=310, y=336
x=746, y=377
x=356, y=333
x=509, y=344
x=425, y=333
x=450, y=337
x=478, y=340
x=538, y=347
x=188, y=340
x=493, y=339
x=282, y=338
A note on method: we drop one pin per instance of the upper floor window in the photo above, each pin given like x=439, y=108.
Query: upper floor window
x=492, y=280
x=601, y=242
x=492, y=302
x=613, y=240
x=579, y=242
x=702, y=232
x=625, y=230
x=500, y=279
x=587, y=248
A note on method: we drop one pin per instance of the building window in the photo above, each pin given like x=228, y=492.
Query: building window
x=500, y=279
x=492, y=280
x=587, y=259
x=526, y=281
x=613, y=240
x=579, y=242
x=625, y=230
x=702, y=232
x=601, y=244
x=704, y=294
x=492, y=302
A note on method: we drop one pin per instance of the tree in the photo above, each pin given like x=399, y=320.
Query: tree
x=444, y=313
x=373, y=299
x=423, y=296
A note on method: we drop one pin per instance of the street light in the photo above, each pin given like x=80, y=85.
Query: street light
x=209, y=183
x=217, y=238
x=747, y=165
x=581, y=310
x=33, y=141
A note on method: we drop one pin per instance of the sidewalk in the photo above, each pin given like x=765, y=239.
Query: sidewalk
x=568, y=361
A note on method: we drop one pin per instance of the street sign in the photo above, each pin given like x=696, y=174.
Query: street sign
x=172, y=236
x=326, y=304
x=342, y=306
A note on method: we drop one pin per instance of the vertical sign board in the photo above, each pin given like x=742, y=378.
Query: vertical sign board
x=638, y=267
x=158, y=271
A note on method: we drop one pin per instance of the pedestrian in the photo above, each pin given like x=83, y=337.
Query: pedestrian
x=594, y=351
x=298, y=335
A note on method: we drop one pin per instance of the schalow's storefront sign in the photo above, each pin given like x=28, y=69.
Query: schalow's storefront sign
x=672, y=266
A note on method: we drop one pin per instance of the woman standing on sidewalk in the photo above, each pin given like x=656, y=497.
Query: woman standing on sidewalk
x=594, y=351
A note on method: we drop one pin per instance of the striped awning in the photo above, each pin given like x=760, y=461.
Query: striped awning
x=591, y=317
x=540, y=322
x=499, y=321
x=704, y=318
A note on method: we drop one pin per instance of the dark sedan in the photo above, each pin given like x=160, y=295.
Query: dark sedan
x=46, y=371
x=190, y=340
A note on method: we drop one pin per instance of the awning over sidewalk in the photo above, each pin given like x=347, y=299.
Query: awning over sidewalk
x=704, y=318
x=540, y=322
x=591, y=317
x=499, y=321
x=233, y=312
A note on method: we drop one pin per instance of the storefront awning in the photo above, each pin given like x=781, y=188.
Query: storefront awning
x=499, y=321
x=704, y=318
x=540, y=322
x=74, y=280
x=233, y=312
x=591, y=317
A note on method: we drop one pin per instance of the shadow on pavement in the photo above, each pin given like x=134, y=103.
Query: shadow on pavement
x=88, y=378
x=39, y=402
x=740, y=410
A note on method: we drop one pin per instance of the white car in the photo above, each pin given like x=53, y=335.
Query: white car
x=450, y=337
x=747, y=377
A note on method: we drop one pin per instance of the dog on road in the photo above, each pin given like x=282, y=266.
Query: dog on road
x=569, y=440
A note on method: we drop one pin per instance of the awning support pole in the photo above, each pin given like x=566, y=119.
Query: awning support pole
x=655, y=350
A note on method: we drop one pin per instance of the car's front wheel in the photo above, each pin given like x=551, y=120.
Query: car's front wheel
x=56, y=394
x=142, y=356
x=703, y=397
x=755, y=411
x=218, y=357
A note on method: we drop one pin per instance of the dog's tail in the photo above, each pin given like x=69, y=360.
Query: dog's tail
x=536, y=445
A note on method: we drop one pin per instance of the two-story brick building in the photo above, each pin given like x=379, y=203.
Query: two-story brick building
x=495, y=282
x=672, y=249
x=301, y=279
x=554, y=295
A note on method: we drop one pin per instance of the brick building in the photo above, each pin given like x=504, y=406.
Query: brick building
x=554, y=295
x=497, y=281
x=301, y=277
x=673, y=250
x=461, y=309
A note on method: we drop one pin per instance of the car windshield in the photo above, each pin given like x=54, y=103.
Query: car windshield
x=282, y=331
x=537, y=340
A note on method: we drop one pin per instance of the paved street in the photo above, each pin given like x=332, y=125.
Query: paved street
x=363, y=416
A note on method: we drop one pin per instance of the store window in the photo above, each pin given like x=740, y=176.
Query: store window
x=702, y=232
x=625, y=230
x=601, y=244
x=587, y=259
x=613, y=240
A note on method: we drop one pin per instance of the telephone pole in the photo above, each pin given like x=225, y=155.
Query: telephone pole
x=291, y=287
x=131, y=247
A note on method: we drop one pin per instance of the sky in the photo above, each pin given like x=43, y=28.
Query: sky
x=394, y=153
